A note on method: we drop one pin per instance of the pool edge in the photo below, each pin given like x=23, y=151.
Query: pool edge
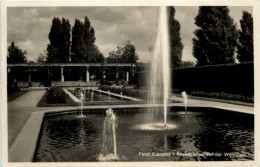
x=24, y=146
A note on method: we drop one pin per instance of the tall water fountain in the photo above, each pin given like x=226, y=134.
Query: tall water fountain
x=160, y=79
x=160, y=70
x=109, y=149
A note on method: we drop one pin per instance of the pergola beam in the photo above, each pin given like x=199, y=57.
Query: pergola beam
x=72, y=65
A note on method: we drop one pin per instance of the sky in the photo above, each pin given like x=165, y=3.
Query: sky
x=29, y=27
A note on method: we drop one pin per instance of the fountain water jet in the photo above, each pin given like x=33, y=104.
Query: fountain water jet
x=109, y=137
x=91, y=96
x=81, y=104
x=121, y=94
x=160, y=71
x=108, y=94
x=160, y=75
x=184, y=96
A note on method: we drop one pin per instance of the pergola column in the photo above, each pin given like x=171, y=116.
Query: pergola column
x=30, y=76
x=133, y=72
x=87, y=74
x=127, y=76
x=62, y=73
x=48, y=72
x=117, y=72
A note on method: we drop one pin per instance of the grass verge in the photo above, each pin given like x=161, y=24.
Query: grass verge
x=15, y=95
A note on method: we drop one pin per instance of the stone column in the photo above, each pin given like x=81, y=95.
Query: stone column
x=127, y=76
x=87, y=74
x=62, y=73
x=133, y=72
x=117, y=73
x=30, y=76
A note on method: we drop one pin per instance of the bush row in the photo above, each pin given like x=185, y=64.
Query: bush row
x=223, y=95
x=229, y=78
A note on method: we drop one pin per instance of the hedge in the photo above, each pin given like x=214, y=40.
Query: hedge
x=229, y=78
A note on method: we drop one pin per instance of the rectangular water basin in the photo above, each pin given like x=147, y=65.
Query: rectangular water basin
x=200, y=134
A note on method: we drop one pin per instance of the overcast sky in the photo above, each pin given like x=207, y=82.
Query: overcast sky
x=29, y=27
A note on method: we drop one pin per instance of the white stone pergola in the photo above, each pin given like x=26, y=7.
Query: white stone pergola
x=62, y=65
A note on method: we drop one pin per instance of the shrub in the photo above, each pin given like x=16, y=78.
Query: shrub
x=127, y=91
x=223, y=95
x=56, y=95
x=12, y=85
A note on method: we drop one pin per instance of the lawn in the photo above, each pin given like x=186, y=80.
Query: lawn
x=15, y=95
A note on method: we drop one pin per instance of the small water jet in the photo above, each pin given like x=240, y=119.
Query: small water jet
x=185, y=97
x=109, y=149
x=81, y=104
x=121, y=93
x=91, y=96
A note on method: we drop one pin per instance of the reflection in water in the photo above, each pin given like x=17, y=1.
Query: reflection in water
x=67, y=138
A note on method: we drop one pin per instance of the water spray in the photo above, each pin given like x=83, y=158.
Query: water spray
x=184, y=96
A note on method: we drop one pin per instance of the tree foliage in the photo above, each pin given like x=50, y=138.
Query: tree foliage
x=58, y=51
x=16, y=55
x=126, y=54
x=41, y=58
x=176, y=45
x=186, y=64
x=77, y=47
x=216, y=37
x=245, y=45
x=83, y=47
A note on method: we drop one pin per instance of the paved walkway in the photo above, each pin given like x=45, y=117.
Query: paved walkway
x=19, y=111
x=21, y=108
x=203, y=103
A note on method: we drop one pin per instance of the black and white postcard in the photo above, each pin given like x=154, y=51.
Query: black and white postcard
x=130, y=83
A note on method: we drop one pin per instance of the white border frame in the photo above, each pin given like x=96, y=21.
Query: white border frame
x=256, y=9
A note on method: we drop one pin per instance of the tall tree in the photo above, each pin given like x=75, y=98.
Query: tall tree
x=129, y=53
x=54, y=37
x=16, y=55
x=89, y=40
x=245, y=45
x=216, y=37
x=65, y=41
x=126, y=54
x=77, y=47
x=176, y=45
x=83, y=43
x=58, y=51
